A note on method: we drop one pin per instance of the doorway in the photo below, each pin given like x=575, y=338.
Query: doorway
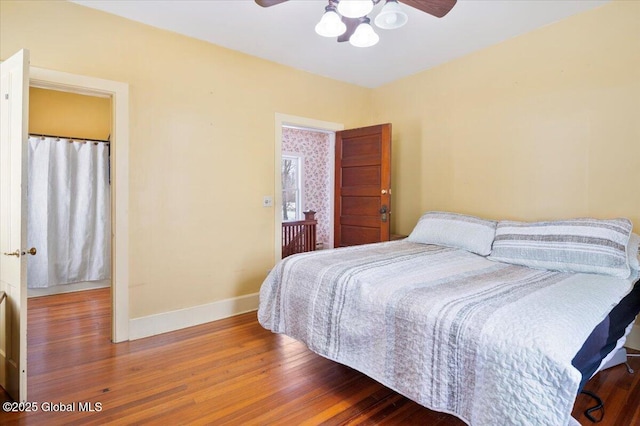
x=119, y=176
x=308, y=125
x=17, y=78
x=307, y=179
x=69, y=202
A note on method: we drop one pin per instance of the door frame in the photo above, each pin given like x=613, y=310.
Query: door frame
x=306, y=124
x=119, y=169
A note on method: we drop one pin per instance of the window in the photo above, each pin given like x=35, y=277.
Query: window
x=291, y=187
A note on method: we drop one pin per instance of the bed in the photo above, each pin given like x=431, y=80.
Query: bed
x=493, y=322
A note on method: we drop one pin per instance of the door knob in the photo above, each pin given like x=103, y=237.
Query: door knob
x=32, y=251
x=13, y=253
x=383, y=213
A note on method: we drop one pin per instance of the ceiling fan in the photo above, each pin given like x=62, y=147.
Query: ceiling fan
x=347, y=19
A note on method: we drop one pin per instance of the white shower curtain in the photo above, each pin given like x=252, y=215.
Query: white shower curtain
x=69, y=212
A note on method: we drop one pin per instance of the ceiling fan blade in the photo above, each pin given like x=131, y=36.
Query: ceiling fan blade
x=352, y=24
x=437, y=8
x=268, y=3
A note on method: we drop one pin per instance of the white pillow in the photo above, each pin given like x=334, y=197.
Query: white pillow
x=455, y=230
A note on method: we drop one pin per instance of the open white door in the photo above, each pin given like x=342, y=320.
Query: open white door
x=14, y=112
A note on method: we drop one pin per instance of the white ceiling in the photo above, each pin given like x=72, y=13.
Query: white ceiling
x=285, y=33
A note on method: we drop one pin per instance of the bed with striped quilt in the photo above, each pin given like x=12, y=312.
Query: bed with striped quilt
x=490, y=342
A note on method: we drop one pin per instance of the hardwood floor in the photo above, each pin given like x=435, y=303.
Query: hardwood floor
x=226, y=372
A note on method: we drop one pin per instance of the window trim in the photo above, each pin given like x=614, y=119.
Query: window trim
x=299, y=206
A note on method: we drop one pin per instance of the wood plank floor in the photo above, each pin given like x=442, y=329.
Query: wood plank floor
x=226, y=372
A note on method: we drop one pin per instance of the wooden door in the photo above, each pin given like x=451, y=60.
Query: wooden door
x=14, y=115
x=362, y=186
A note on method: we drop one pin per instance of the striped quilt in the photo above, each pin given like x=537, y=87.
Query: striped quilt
x=489, y=342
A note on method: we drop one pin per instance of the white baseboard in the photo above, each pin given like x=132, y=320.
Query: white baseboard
x=633, y=339
x=188, y=317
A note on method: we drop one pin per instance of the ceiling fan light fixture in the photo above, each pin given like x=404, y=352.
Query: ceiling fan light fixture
x=355, y=8
x=364, y=35
x=330, y=24
x=391, y=16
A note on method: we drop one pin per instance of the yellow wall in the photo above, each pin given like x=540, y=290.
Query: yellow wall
x=545, y=125
x=52, y=112
x=201, y=143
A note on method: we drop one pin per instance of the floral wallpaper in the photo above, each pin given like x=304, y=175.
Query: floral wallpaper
x=314, y=146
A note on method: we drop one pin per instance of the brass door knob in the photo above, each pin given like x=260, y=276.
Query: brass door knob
x=32, y=251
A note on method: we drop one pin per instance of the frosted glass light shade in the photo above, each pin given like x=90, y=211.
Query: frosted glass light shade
x=355, y=8
x=364, y=36
x=391, y=16
x=330, y=25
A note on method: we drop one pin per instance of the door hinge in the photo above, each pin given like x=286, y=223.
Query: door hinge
x=6, y=96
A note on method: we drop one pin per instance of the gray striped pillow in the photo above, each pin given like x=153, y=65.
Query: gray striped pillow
x=575, y=245
x=455, y=230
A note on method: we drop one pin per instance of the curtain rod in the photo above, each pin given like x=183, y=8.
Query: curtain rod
x=108, y=141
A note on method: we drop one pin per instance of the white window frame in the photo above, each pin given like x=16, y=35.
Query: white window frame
x=300, y=198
